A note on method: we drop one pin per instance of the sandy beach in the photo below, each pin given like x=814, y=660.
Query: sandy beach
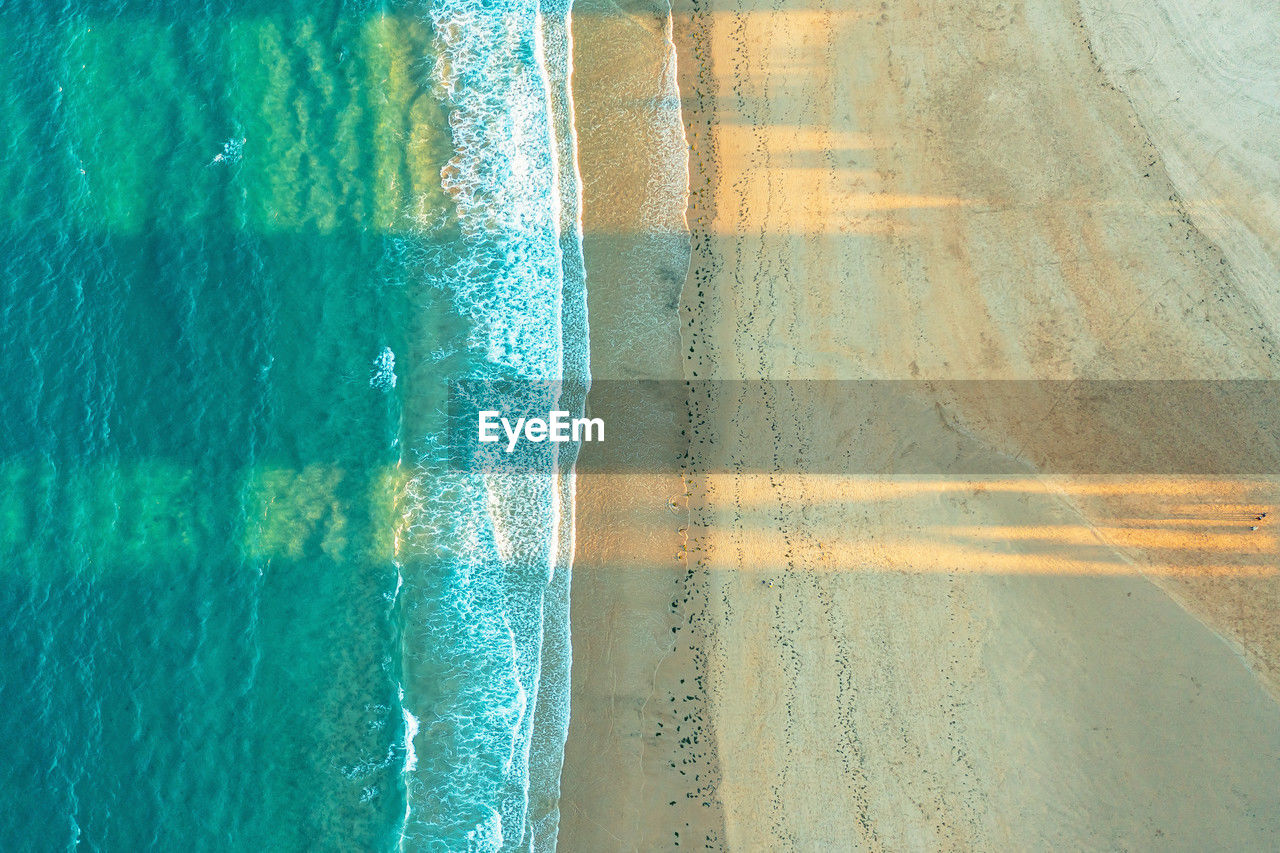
x=903, y=654
x=628, y=777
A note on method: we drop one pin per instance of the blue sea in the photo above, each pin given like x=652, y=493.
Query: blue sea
x=248, y=602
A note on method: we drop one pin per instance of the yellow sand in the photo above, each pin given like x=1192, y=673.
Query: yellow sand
x=952, y=190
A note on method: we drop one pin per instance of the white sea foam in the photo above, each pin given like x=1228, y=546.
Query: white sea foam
x=410, y=732
x=488, y=544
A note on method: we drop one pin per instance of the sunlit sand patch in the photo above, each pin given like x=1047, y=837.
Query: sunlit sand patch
x=771, y=552
x=998, y=525
x=1178, y=522
x=1141, y=536
x=769, y=182
x=758, y=487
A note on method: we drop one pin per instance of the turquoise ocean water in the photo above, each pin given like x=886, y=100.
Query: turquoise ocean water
x=247, y=603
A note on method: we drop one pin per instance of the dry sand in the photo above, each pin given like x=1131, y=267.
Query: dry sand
x=975, y=190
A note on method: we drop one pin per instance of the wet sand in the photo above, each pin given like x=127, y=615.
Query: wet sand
x=1028, y=658
x=630, y=781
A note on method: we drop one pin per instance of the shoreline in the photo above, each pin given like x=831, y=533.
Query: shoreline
x=635, y=775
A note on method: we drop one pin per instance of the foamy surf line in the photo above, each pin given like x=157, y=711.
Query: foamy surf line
x=484, y=718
